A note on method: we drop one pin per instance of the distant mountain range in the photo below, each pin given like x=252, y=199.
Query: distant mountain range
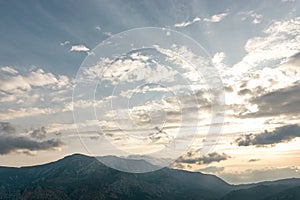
x=82, y=177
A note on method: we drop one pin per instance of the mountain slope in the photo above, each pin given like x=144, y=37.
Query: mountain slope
x=265, y=190
x=82, y=177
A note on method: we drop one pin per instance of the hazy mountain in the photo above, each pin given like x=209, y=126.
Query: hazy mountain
x=83, y=177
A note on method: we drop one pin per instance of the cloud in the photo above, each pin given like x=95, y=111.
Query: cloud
x=37, y=78
x=212, y=169
x=252, y=15
x=253, y=160
x=257, y=19
x=267, y=174
x=38, y=133
x=206, y=159
x=21, y=93
x=187, y=23
x=218, y=58
x=131, y=68
x=279, y=102
x=6, y=128
x=108, y=34
x=98, y=28
x=216, y=18
x=291, y=66
x=11, y=142
x=25, y=112
x=244, y=92
x=65, y=43
x=9, y=70
x=279, y=135
x=79, y=48
x=280, y=41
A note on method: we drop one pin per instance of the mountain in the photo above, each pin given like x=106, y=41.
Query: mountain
x=286, y=189
x=82, y=177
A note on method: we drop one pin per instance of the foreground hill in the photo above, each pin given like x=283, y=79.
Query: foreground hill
x=83, y=177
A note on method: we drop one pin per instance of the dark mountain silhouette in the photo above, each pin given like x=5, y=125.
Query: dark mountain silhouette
x=82, y=177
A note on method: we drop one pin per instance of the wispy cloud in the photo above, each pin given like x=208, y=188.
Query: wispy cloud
x=251, y=15
x=65, y=43
x=216, y=18
x=107, y=33
x=258, y=175
x=9, y=70
x=187, y=23
x=212, y=169
x=25, y=112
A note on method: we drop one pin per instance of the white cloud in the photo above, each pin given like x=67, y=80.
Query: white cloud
x=108, y=34
x=256, y=20
x=218, y=61
x=218, y=58
x=282, y=40
x=36, y=78
x=98, y=28
x=251, y=15
x=79, y=48
x=130, y=69
x=256, y=17
x=9, y=70
x=65, y=43
x=187, y=23
x=82, y=104
x=216, y=18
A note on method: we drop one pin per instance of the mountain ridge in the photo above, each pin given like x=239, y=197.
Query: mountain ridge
x=78, y=176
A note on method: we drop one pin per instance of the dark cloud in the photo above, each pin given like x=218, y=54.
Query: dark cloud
x=280, y=134
x=244, y=84
x=206, y=159
x=284, y=101
x=244, y=92
x=228, y=89
x=11, y=142
x=6, y=128
x=94, y=137
x=177, y=165
x=253, y=160
x=39, y=133
x=58, y=133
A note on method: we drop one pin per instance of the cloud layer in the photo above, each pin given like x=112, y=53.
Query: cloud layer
x=206, y=159
x=280, y=134
x=11, y=142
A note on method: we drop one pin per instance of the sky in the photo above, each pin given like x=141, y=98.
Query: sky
x=210, y=86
